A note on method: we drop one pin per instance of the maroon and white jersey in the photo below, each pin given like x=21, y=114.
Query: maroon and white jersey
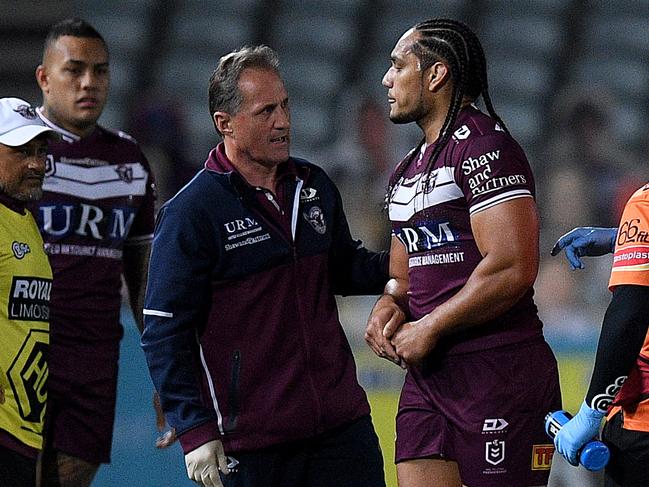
x=98, y=197
x=480, y=167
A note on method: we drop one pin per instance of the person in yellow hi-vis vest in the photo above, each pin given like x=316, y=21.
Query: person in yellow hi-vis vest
x=25, y=283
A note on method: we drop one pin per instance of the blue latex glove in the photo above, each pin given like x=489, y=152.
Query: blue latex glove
x=585, y=241
x=577, y=432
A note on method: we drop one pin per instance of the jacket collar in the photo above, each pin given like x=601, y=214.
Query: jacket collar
x=218, y=161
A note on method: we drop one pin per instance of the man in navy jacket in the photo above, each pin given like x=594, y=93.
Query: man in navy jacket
x=242, y=335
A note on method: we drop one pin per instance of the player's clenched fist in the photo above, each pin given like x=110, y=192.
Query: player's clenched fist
x=414, y=340
x=385, y=319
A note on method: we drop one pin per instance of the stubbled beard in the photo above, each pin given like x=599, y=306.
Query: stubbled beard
x=33, y=194
x=408, y=117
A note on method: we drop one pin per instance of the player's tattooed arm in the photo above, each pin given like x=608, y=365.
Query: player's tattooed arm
x=623, y=332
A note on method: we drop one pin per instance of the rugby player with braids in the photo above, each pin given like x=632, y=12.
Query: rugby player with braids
x=459, y=312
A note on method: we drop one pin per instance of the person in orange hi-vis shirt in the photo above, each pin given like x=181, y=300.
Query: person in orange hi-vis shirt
x=619, y=386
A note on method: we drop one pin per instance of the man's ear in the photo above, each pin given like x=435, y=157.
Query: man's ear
x=41, y=77
x=438, y=74
x=223, y=122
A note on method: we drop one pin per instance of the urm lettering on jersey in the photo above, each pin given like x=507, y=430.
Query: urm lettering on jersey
x=240, y=225
x=426, y=237
x=85, y=219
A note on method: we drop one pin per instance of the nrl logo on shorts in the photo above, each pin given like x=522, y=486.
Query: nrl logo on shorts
x=125, y=173
x=26, y=111
x=495, y=452
x=316, y=218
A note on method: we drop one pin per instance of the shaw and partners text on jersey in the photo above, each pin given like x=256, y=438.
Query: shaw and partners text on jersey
x=481, y=182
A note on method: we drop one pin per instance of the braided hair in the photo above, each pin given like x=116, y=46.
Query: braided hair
x=455, y=44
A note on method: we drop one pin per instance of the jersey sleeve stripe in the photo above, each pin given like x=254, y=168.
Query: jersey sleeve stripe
x=501, y=198
x=155, y=312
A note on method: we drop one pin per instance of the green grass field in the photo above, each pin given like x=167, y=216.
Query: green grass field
x=574, y=372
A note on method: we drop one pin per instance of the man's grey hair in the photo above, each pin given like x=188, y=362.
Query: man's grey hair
x=224, y=93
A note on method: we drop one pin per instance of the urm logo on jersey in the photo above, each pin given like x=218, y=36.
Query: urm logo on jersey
x=243, y=232
x=240, y=225
x=426, y=236
x=86, y=220
x=29, y=299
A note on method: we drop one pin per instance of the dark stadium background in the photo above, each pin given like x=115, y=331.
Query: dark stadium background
x=569, y=77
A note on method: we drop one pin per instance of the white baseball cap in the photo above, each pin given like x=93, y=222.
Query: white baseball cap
x=19, y=122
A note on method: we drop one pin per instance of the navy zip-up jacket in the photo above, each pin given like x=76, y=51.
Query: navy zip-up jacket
x=242, y=335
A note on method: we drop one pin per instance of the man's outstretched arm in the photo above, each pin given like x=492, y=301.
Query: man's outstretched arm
x=585, y=241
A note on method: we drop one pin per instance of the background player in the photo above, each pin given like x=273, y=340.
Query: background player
x=464, y=257
x=96, y=218
x=619, y=386
x=24, y=314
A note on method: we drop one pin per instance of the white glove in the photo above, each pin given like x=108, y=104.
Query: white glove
x=203, y=464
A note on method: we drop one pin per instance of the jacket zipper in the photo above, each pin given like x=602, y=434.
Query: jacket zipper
x=305, y=341
x=233, y=392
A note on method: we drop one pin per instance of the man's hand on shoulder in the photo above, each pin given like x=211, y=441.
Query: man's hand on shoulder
x=585, y=241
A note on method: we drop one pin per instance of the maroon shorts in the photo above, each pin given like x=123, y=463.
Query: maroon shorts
x=81, y=405
x=484, y=410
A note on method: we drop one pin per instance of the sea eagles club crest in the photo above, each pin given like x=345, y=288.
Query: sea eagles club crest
x=26, y=111
x=125, y=173
x=316, y=218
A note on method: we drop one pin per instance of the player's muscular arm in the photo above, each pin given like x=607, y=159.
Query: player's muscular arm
x=389, y=312
x=136, y=262
x=507, y=237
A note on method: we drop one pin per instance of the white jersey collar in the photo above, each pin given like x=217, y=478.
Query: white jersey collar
x=65, y=134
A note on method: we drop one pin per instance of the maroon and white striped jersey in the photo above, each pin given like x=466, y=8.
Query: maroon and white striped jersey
x=480, y=167
x=98, y=197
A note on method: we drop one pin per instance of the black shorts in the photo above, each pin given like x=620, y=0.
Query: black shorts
x=629, y=464
x=347, y=456
x=16, y=470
